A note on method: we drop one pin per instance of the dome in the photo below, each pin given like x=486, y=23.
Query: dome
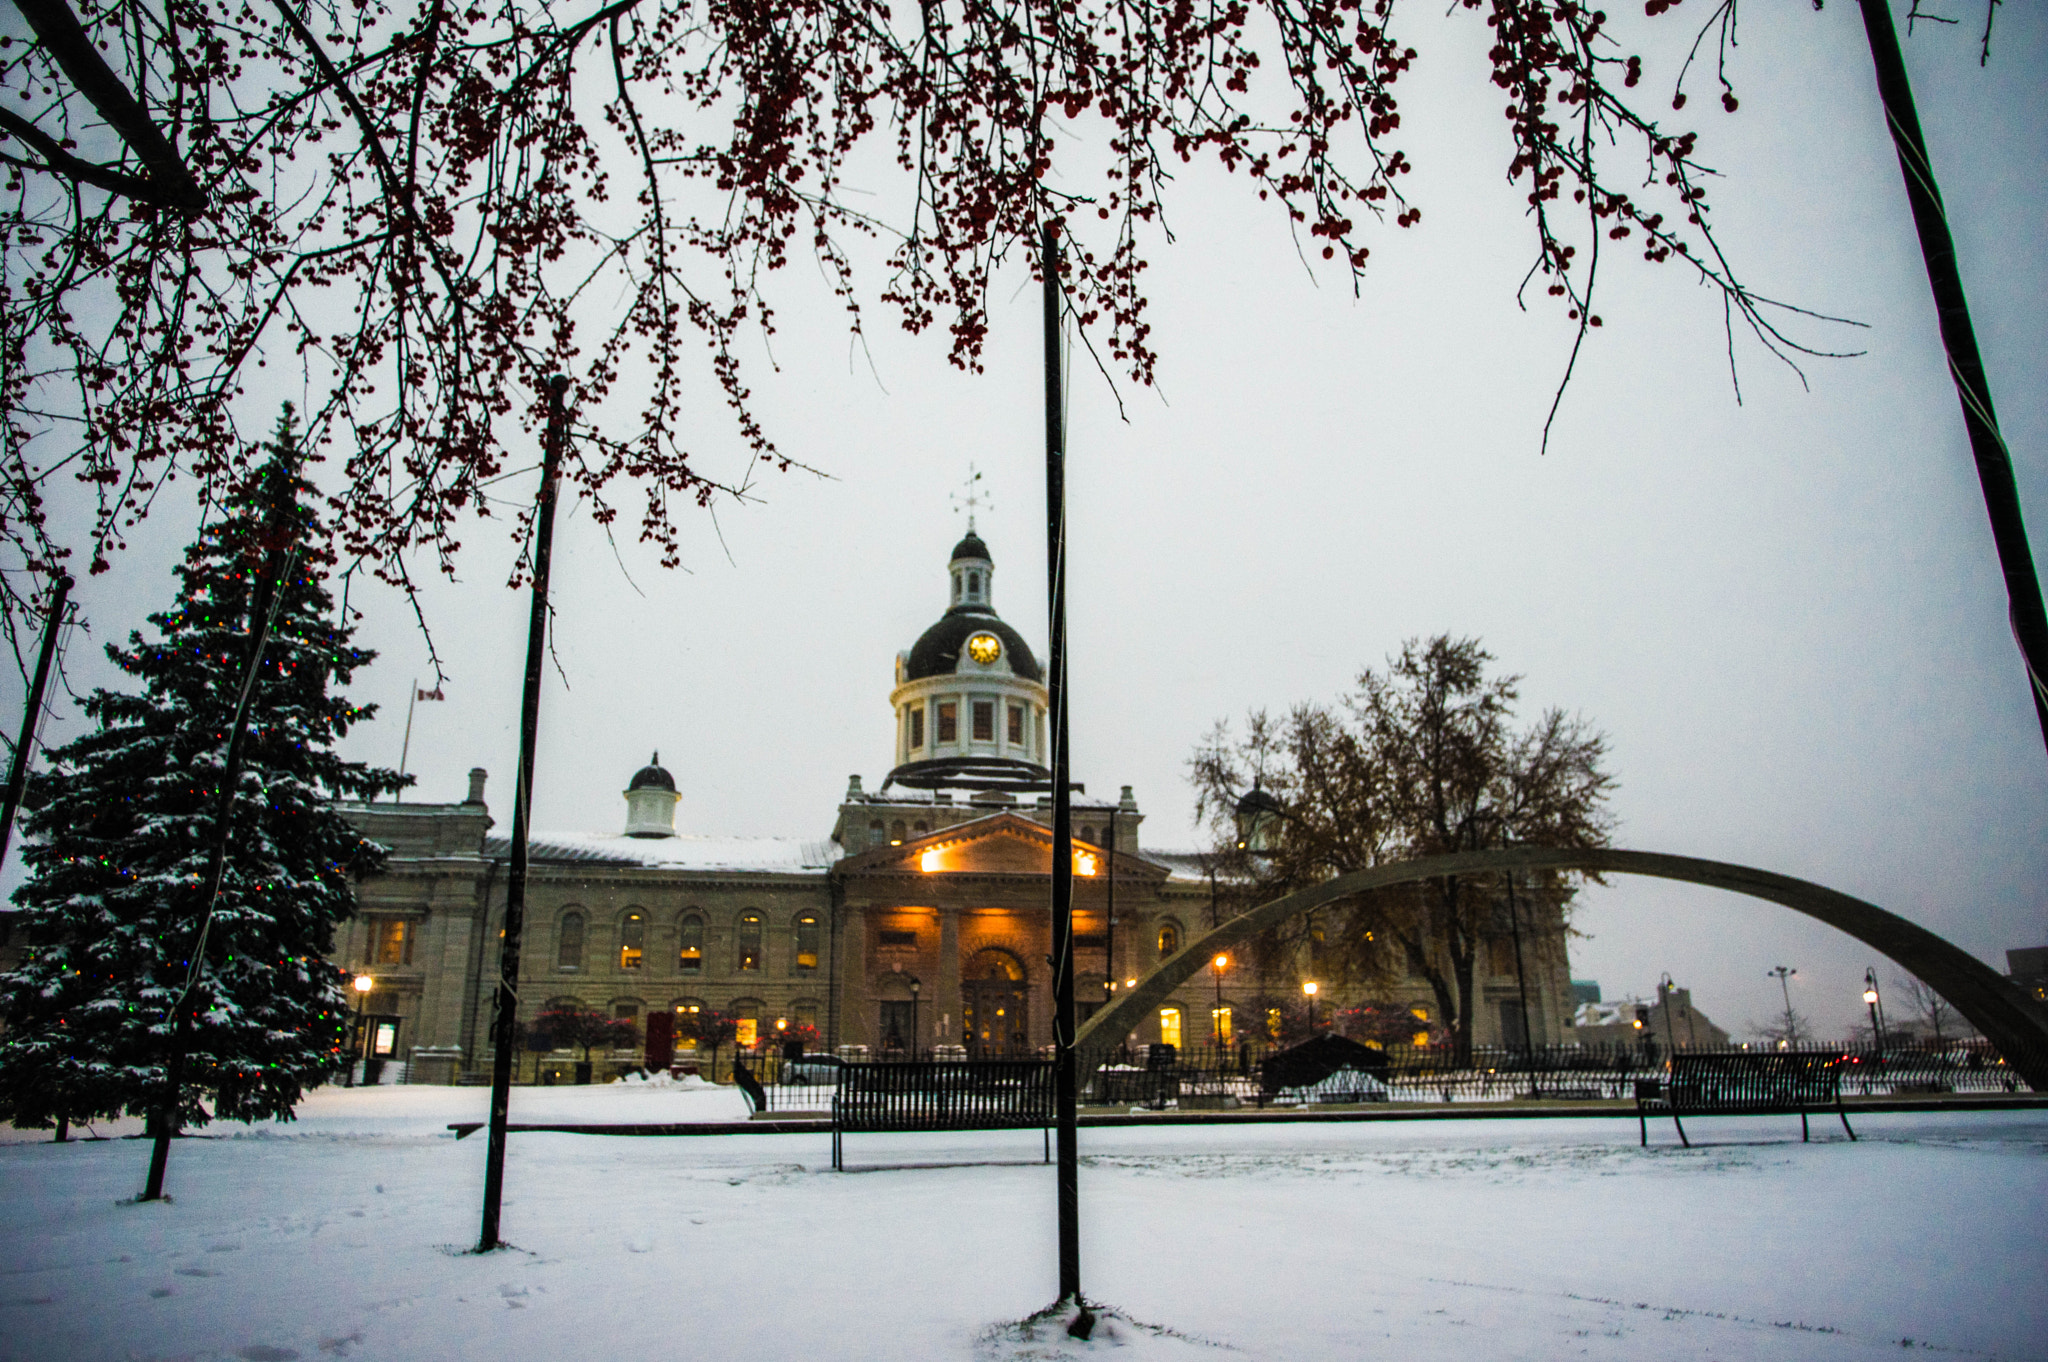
x=971, y=547
x=937, y=650
x=652, y=777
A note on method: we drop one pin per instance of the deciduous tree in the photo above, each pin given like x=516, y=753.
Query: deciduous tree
x=1423, y=759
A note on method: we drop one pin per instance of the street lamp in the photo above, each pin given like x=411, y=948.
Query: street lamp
x=363, y=984
x=916, y=987
x=1782, y=973
x=1309, y=988
x=1218, y=965
x=1876, y=1006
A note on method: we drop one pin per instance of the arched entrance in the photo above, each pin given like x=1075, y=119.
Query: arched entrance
x=995, y=1005
x=1986, y=998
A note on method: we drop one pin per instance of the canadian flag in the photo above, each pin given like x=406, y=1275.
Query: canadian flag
x=434, y=694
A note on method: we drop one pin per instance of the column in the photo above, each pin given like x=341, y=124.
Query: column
x=947, y=1003
x=856, y=1021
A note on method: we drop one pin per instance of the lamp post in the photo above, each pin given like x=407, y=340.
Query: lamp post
x=1876, y=1006
x=1782, y=973
x=916, y=987
x=1217, y=966
x=363, y=984
x=1309, y=988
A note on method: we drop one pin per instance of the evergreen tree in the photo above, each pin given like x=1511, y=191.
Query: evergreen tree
x=124, y=822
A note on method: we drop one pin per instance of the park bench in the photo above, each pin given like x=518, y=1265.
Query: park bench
x=974, y=1094
x=1742, y=1083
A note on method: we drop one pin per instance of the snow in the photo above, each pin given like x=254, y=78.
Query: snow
x=786, y=855
x=344, y=1234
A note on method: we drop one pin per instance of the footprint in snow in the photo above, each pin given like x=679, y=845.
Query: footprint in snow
x=196, y=1272
x=263, y=1352
x=159, y=1292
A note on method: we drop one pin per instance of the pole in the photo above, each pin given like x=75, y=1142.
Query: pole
x=1064, y=1077
x=1965, y=365
x=269, y=590
x=31, y=719
x=1782, y=973
x=1109, y=920
x=405, y=748
x=506, y=1021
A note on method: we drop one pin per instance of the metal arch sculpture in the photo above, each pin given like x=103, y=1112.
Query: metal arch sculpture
x=2006, y=1017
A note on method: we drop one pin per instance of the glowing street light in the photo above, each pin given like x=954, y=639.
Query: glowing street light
x=363, y=984
x=1309, y=987
x=1217, y=966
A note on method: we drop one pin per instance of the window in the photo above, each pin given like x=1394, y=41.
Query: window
x=569, y=942
x=897, y=832
x=974, y=583
x=1016, y=725
x=807, y=942
x=920, y=827
x=750, y=941
x=949, y=721
x=917, y=725
x=391, y=942
x=1169, y=1026
x=803, y=1012
x=877, y=833
x=690, y=944
x=1219, y=1019
x=632, y=941
x=1502, y=951
x=627, y=1009
x=687, y=1014
x=889, y=938
x=1273, y=1023
x=984, y=721
x=1169, y=940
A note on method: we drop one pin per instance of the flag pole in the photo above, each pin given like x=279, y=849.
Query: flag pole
x=405, y=748
x=505, y=1024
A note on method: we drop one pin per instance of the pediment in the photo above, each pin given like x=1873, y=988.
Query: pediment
x=1000, y=844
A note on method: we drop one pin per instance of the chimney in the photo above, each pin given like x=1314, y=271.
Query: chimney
x=477, y=776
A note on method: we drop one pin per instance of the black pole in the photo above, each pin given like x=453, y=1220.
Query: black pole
x=1062, y=794
x=278, y=557
x=505, y=1023
x=1522, y=984
x=31, y=719
x=1109, y=920
x=1937, y=250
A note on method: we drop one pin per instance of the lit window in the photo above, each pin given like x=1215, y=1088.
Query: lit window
x=1219, y=1018
x=569, y=942
x=690, y=944
x=1169, y=940
x=984, y=721
x=1169, y=1026
x=632, y=941
x=1084, y=863
x=750, y=941
x=917, y=725
x=1273, y=1022
x=930, y=862
x=807, y=942
x=949, y=721
x=391, y=942
x=686, y=1025
x=1016, y=725
x=746, y=1030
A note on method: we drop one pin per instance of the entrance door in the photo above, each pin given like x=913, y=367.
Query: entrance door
x=998, y=1019
x=899, y=1027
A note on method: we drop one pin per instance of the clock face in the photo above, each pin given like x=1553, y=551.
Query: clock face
x=984, y=648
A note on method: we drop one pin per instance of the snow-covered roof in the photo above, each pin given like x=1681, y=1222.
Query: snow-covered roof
x=769, y=855
x=1180, y=865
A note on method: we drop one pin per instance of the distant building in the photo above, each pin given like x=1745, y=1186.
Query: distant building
x=2028, y=967
x=1585, y=991
x=1629, y=1021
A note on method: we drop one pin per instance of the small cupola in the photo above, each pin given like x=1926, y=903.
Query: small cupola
x=973, y=573
x=651, y=801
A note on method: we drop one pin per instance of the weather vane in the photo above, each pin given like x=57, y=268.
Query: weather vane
x=972, y=496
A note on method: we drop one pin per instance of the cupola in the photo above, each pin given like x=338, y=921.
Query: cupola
x=651, y=800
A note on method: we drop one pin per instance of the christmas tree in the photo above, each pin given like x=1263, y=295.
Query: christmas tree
x=115, y=917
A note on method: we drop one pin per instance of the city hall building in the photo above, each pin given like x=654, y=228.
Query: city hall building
x=921, y=919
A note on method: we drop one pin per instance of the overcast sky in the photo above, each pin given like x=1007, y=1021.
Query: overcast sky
x=1786, y=614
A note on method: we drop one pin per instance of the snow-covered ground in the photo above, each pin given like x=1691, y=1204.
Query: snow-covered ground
x=345, y=1234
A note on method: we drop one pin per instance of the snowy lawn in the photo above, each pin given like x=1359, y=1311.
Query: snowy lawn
x=344, y=1235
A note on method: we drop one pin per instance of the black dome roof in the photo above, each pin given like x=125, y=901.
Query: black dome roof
x=937, y=652
x=652, y=777
x=971, y=547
